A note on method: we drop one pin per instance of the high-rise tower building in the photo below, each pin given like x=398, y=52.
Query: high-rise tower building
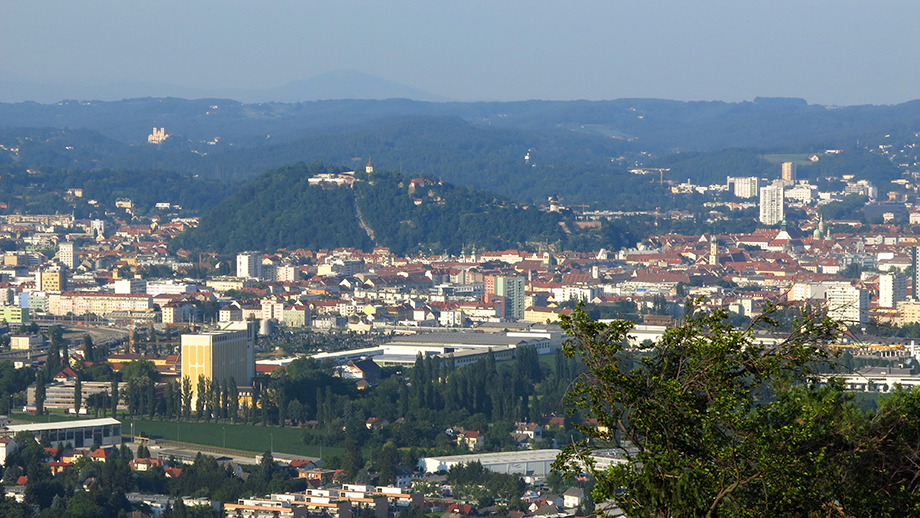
x=249, y=265
x=789, y=172
x=892, y=288
x=913, y=275
x=67, y=254
x=771, y=204
x=847, y=303
x=51, y=279
x=512, y=289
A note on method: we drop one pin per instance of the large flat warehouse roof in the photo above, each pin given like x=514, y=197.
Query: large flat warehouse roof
x=58, y=425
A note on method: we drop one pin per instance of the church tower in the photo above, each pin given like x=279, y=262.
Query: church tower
x=370, y=167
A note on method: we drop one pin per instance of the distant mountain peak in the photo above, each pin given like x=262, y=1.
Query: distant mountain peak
x=344, y=84
x=332, y=85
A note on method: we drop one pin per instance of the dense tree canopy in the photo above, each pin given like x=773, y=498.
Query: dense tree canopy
x=712, y=423
x=280, y=209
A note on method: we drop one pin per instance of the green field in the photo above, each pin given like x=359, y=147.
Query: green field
x=797, y=158
x=256, y=439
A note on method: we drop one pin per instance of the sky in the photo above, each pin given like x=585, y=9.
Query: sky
x=831, y=52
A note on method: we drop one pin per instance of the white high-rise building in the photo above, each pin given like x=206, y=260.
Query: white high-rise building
x=771, y=204
x=804, y=290
x=744, y=187
x=847, y=303
x=130, y=286
x=67, y=254
x=892, y=288
x=249, y=265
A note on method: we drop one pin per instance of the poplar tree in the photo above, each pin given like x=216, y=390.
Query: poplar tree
x=40, y=393
x=77, y=394
x=114, y=391
x=186, y=397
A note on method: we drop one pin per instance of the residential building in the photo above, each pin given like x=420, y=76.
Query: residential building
x=14, y=314
x=127, y=286
x=296, y=316
x=67, y=254
x=222, y=284
x=573, y=497
x=910, y=312
x=272, y=309
x=286, y=274
x=892, y=288
x=7, y=446
x=771, y=204
x=49, y=280
x=169, y=287
x=744, y=187
x=472, y=439
x=807, y=291
x=249, y=265
x=60, y=393
x=914, y=274
x=847, y=303
x=512, y=288
x=179, y=312
x=366, y=370
x=788, y=170
x=803, y=193
x=82, y=303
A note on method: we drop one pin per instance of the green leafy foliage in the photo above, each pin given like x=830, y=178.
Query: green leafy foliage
x=13, y=381
x=483, y=486
x=712, y=423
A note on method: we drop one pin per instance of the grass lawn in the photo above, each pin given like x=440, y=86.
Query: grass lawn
x=256, y=439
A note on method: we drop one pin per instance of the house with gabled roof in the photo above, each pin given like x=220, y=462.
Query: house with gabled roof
x=472, y=439
x=66, y=374
x=101, y=454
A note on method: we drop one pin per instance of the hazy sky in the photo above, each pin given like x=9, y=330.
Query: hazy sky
x=828, y=52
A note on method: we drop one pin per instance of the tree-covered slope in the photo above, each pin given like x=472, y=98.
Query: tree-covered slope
x=440, y=217
x=578, y=150
x=44, y=190
x=659, y=125
x=280, y=209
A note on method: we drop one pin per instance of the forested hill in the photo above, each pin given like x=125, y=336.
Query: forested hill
x=580, y=151
x=659, y=125
x=280, y=209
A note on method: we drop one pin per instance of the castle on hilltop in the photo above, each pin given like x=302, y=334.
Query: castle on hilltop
x=158, y=136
